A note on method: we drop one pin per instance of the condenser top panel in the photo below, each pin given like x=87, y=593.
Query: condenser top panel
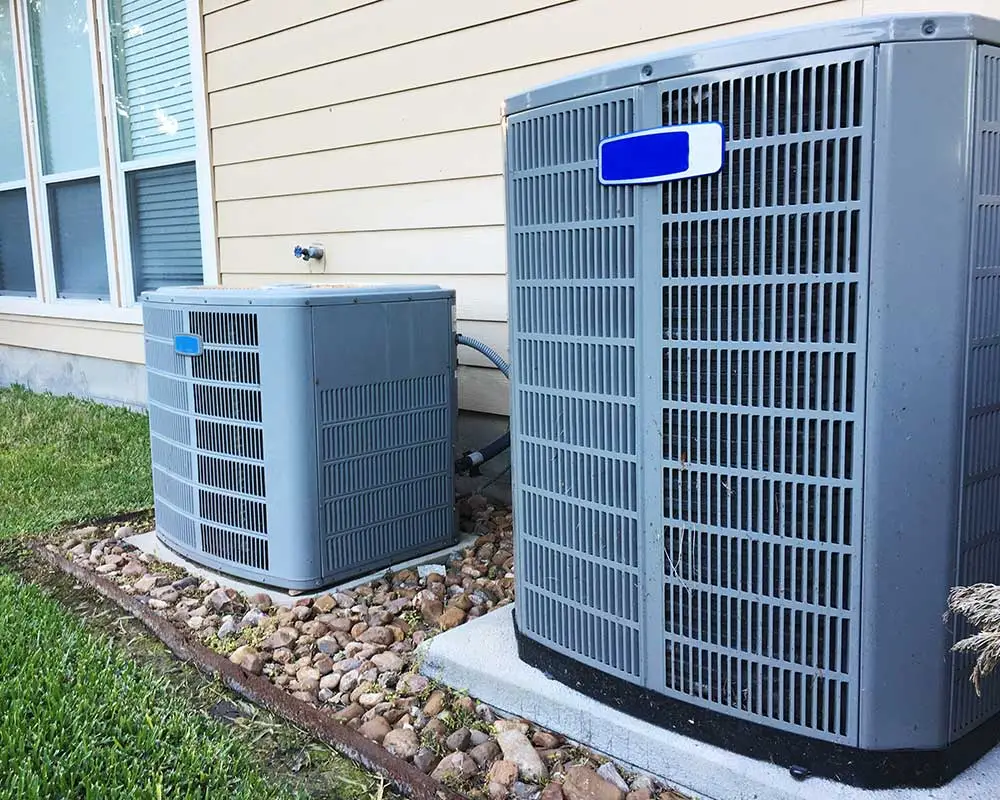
x=296, y=294
x=762, y=46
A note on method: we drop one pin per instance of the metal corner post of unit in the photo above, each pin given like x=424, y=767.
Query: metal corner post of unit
x=755, y=433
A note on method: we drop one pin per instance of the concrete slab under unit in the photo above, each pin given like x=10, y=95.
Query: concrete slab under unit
x=481, y=658
x=150, y=543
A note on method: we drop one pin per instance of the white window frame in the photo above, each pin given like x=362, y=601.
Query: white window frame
x=122, y=305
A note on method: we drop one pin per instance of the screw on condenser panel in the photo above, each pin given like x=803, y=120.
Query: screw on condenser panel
x=799, y=773
x=647, y=70
x=929, y=28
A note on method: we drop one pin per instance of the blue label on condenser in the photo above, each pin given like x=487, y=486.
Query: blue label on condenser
x=187, y=344
x=662, y=154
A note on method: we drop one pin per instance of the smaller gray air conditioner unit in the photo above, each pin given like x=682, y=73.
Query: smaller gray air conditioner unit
x=302, y=434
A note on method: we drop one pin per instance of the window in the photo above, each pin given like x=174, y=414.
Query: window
x=107, y=181
x=156, y=141
x=17, y=271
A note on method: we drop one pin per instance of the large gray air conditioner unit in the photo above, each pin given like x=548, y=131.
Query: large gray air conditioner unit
x=302, y=434
x=756, y=406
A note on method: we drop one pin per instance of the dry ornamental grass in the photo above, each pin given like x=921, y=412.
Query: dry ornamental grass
x=979, y=604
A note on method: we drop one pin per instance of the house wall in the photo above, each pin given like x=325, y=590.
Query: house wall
x=372, y=127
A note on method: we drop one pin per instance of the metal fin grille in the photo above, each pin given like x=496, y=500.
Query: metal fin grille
x=379, y=540
x=979, y=545
x=239, y=548
x=573, y=310
x=207, y=437
x=226, y=328
x=385, y=461
x=761, y=390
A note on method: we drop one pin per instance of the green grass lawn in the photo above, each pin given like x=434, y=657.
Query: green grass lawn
x=64, y=460
x=79, y=717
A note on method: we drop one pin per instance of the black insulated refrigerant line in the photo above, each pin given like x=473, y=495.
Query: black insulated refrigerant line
x=471, y=461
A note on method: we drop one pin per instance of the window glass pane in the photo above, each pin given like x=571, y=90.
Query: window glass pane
x=17, y=273
x=166, y=234
x=78, y=239
x=152, y=77
x=64, y=91
x=11, y=157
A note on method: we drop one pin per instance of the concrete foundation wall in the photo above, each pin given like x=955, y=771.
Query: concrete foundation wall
x=124, y=384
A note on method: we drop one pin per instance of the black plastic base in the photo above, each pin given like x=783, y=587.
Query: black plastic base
x=801, y=755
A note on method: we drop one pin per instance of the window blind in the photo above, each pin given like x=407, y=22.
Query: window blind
x=153, y=77
x=165, y=231
x=78, y=251
x=17, y=272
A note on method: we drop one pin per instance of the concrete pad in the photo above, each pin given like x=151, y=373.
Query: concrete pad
x=151, y=544
x=481, y=658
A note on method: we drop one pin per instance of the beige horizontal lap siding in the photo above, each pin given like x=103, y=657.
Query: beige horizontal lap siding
x=113, y=341
x=372, y=128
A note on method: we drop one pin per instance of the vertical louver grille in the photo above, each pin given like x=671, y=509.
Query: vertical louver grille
x=573, y=313
x=207, y=437
x=979, y=546
x=762, y=295
x=384, y=451
x=228, y=405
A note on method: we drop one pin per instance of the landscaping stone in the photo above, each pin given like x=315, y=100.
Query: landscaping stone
x=435, y=703
x=388, y=662
x=545, y=741
x=353, y=711
x=166, y=594
x=583, y=783
x=517, y=748
x=500, y=779
x=524, y=791
x=459, y=740
x=145, y=584
x=610, y=774
x=260, y=601
x=477, y=738
x=424, y=759
x=503, y=725
x=377, y=635
x=376, y=729
x=133, y=569
x=280, y=638
x=402, y=743
x=413, y=683
x=485, y=753
x=455, y=767
x=350, y=652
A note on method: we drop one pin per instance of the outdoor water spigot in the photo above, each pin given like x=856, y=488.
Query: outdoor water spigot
x=307, y=253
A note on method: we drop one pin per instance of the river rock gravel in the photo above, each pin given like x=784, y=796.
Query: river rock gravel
x=352, y=652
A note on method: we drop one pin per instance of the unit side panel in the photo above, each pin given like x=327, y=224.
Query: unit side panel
x=763, y=286
x=979, y=545
x=918, y=309
x=573, y=311
x=385, y=398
